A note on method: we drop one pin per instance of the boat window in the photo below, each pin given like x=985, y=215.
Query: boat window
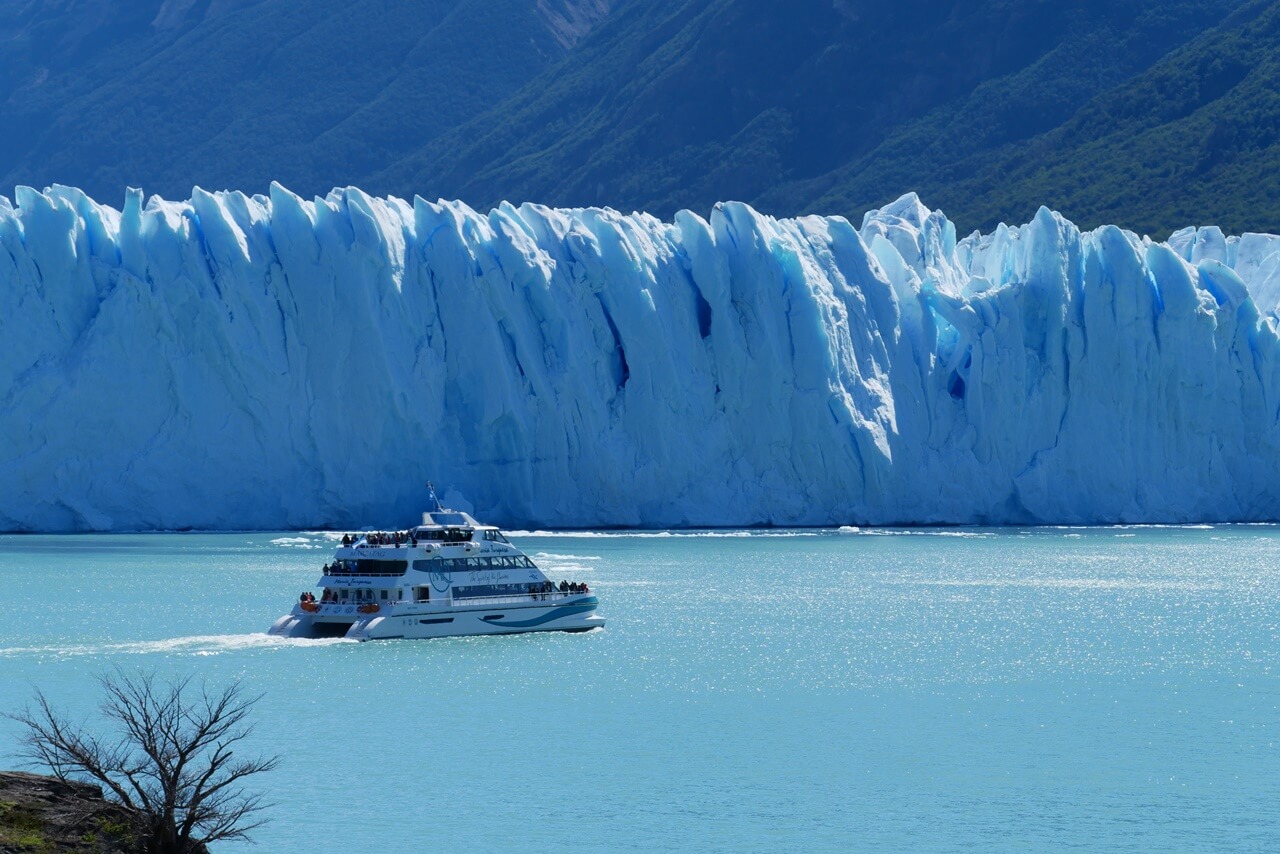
x=384, y=595
x=381, y=567
x=448, y=564
x=491, y=590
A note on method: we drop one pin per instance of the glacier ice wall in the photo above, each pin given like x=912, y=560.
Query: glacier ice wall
x=271, y=362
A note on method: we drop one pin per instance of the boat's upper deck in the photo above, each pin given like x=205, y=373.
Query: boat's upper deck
x=453, y=537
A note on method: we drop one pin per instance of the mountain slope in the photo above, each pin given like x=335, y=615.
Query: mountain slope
x=677, y=104
x=1194, y=139
x=1151, y=113
x=236, y=93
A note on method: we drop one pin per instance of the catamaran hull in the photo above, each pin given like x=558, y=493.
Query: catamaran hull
x=564, y=616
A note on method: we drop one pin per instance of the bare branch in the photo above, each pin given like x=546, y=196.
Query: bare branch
x=172, y=762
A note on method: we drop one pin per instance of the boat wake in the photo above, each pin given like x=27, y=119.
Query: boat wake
x=194, y=645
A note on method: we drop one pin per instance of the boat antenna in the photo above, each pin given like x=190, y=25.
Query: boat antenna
x=431, y=487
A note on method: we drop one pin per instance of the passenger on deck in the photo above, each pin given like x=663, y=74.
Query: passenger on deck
x=564, y=586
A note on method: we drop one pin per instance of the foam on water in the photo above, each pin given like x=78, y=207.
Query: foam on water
x=664, y=535
x=195, y=645
x=925, y=532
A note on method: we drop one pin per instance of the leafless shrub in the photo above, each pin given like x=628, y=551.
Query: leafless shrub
x=168, y=756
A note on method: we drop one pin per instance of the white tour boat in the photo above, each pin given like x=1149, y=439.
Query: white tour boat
x=448, y=576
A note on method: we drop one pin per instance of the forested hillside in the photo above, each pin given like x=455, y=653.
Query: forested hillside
x=167, y=94
x=814, y=106
x=1150, y=113
x=1193, y=140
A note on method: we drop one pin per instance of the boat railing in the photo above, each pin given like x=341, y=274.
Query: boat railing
x=407, y=541
x=336, y=606
x=355, y=572
x=344, y=606
x=516, y=598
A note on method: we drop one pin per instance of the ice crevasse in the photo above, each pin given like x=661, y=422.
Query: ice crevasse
x=266, y=362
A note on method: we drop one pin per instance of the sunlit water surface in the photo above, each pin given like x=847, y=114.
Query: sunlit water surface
x=934, y=689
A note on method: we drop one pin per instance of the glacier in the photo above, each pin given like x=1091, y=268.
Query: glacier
x=269, y=362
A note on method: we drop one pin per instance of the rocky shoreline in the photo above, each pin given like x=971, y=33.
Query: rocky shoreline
x=44, y=815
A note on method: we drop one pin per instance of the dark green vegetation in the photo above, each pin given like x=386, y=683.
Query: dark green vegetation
x=44, y=815
x=835, y=108
x=1192, y=141
x=1149, y=113
x=164, y=94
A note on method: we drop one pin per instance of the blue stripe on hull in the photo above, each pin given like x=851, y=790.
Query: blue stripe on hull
x=556, y=614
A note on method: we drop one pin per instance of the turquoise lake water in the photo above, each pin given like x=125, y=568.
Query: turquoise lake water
x=1044, y=689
